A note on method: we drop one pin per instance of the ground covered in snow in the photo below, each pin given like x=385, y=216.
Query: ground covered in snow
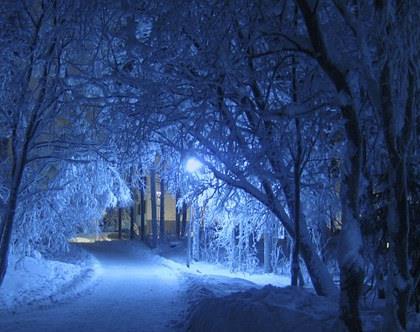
x=125, y=286
x=175, y=252
x=132, y=291
x=122, y=286
x=267, y=309
x=219, y=300
x=218, y=304
x=35, y=279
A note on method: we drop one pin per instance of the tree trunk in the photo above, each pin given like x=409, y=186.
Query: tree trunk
x=142, y=209
x=296, y=243
x=177, y=215
x=132, y=221
x=189, y=237
x=17, y=171
x=350, y=259
x=120, y=223
x=6, y=233
x=320, y=277
x=318, y=272
x=241, y=247
x=162, y=211
x=297, y=210
x=153, y=207
x=196, y=233
x=399, y=283
x=184, y=218
x=295, y=268
x=233, y=250
x=351, y=245
x=268, y=244
x=398, y=144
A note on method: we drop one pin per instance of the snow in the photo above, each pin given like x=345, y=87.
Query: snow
x=223, y=304
x=174, y=256
x=34, y=279
x=219, y=303
x=203, y=269
x=131, y=288
x=267, y=309
x=133, y=291
x=221, y=300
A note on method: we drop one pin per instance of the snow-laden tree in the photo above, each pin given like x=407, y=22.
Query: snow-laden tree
x=46, y=125
x=72, y=201
x=377, y=65
x=288, y=101
x=234, y=223
x=31, y=101
x=218, y=90
x=230, y=106
x=220, y=73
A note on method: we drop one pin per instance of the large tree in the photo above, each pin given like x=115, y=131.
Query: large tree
x=211, y=81
x=220, y=74
x=378, y=62
x=47, y=125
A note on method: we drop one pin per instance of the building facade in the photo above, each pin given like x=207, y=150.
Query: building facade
x=127, y=221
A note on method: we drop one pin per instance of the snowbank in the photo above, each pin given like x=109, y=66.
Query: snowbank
x=175, y=258
x=266, y=309
x=208, y=270
x=36, y=279
x=213, y=306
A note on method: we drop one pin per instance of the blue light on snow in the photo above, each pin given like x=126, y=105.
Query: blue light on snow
x=193, y=165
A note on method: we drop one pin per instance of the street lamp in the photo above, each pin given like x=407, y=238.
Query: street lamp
x=193, y=165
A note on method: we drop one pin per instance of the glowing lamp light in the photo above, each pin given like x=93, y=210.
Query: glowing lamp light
x=193, y=165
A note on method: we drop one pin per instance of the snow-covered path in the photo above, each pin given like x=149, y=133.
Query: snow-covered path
x=135, y=291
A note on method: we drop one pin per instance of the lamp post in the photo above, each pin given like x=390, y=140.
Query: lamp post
x=193, y=166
